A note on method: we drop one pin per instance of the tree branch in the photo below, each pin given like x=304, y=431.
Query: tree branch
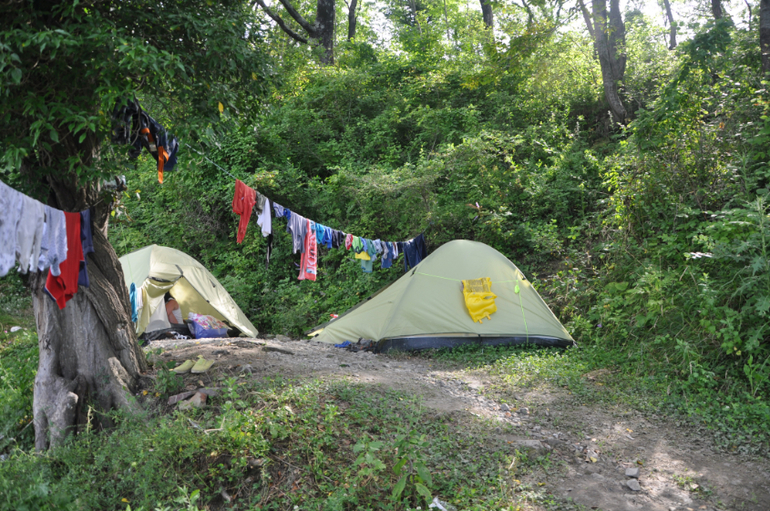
x=281, y=23
x=310, y=29
x=587, y=18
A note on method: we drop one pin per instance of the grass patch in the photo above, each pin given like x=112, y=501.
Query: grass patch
x=18, y=364
x=274, y=444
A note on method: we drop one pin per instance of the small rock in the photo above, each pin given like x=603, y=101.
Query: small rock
x=247, y=369
x=197, y=401
x=282, y=338
x=633, y=484
x=632, y=472
x=531, y=444
x=525, y=411
x=278, y=350
x=179, y=397
x=505, y=408
x=16, y=329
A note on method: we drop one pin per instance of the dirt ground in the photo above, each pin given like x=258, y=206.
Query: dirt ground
x=593, y=446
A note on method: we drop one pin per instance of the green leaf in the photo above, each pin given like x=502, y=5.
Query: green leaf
x=54, y=136
x=422, y=490
x=397, y=468
x=16, y=75
x=399, y=487
x=423, y=472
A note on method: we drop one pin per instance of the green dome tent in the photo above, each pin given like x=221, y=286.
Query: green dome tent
x=425, y=308
x=156, y=270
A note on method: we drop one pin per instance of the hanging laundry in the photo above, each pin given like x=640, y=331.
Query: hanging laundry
x=371, y=250
x=264, y=212
x=479, y=298
x=29, y=233
x=297, y=226
x=278, y=209
x=338, y=238
x=133, y=126
x=243, y=201
x=366, y=265
x=62, y=288
x=309, y=262
x=363, y=256
x=265, y=221
x=53, y=249
x=10, y=212
x=132, y=297
x=87, y=241
x=328, y=232
x=357, y=245
x=414, y=251
x=387, y=255
x=348, y=241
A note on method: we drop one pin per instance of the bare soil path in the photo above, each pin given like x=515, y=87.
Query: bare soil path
x=590, y=447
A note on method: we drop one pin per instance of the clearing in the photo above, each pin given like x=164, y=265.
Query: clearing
x=584, y=450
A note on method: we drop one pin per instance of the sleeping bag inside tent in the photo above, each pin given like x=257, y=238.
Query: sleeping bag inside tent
x=156, y=270
x=426, y=308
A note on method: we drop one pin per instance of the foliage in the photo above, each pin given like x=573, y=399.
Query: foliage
x=267, y=443
x=18, y=365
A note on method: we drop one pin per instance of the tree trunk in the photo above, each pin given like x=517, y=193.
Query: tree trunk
x=487, y=15
x=610, y=37
x=324, y=28
x=352, y=20
x=716, y=9
x=89, y=355
x=671, y=25
x=764, y=34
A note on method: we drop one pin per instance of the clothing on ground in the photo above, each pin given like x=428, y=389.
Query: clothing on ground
x=53, y=249
x=309, y=262
x=64, y=287
x=243, y=202
x=87, y=240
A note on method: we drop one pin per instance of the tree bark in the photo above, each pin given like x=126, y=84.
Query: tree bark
x=587, y=19
x=717, y=10
x=764, y=34
x=610, y=38
x=352, y=19
x=487, y=14
x=324, y=28
x=89, y=355
x=671, y=25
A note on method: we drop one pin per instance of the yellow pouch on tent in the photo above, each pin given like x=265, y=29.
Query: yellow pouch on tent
x=479, y=298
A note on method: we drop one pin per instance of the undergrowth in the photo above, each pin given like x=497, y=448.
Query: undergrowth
x=277, y=444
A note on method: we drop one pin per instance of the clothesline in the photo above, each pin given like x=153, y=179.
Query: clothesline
x=39, y=237
x=308, y=234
